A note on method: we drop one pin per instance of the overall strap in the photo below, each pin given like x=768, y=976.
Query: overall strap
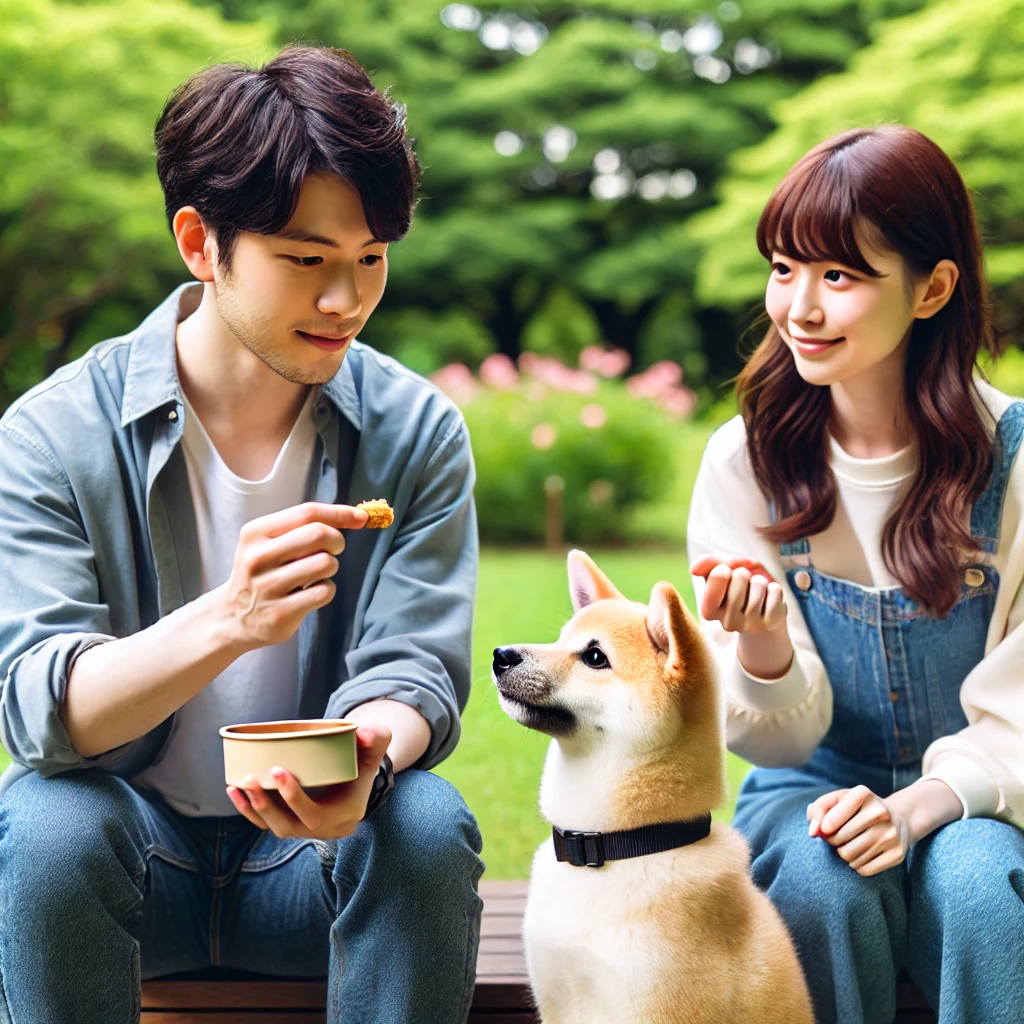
x=789, y=547
x=988, y=509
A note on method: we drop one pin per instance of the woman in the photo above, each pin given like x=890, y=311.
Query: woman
x=857, y=541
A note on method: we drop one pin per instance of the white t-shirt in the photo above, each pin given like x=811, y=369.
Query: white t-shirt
x=260, y=685
x=779, y=722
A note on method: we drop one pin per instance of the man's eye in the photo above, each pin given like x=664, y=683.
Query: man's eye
x=307, y=261
x=372, y=260
x=595, y=658
x=834, y=276
x=780, y=269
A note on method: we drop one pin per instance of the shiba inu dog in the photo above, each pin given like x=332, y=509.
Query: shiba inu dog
x=655, y=920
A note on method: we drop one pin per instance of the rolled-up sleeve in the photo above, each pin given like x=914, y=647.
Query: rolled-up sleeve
x=416, y=641
x=50, y=607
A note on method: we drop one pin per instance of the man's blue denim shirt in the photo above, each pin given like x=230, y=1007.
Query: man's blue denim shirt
x=98, y=541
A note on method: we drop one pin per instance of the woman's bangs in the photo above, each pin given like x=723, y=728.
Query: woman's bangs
x=810, y=218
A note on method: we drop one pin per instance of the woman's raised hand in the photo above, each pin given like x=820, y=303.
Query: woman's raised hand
x=741, y=594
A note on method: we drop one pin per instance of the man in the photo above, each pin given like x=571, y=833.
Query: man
x=181, y=553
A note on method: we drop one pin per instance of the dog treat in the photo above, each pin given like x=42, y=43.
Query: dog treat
x=379, y=511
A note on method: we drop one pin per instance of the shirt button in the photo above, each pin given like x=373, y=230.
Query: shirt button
x=894, y=697
x=974, y=577
x=803, y=579
x=172, y=415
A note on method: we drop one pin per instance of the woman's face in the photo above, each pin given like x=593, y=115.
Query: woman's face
x=837, y=321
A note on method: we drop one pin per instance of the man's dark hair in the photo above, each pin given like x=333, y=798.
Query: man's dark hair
x=237, y=143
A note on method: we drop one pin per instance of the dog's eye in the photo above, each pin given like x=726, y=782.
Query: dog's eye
x=595, y=658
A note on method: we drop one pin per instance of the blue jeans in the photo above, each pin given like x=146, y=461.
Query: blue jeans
x=102, y=885
x=952, y=915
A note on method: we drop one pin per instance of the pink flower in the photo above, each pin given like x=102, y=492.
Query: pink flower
x=593, y=415
x=557, y=375
x=543, y=436
x=457, y=381
x=607, y=362
x=678, y=402
x=499, y=371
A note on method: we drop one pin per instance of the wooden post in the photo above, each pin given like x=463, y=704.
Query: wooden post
x=554, y=512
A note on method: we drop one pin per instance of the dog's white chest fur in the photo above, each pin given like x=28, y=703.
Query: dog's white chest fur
x=593, y=940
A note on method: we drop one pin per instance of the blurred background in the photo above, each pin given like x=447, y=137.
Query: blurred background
x=581, y=276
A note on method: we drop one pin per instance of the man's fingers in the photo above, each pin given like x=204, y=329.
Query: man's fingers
x=241, y=801
x=304, y=808
x=341, y=517
x=298, y=543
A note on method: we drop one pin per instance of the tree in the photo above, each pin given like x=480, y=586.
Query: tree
x=85, y=250
x=954, y=71
x=565, y=147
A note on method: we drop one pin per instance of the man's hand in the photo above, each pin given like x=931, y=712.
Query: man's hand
x=869, y=834
x=335, y=810
x=282, y=571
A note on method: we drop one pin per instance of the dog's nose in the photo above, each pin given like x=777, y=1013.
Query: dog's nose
x=504, y=659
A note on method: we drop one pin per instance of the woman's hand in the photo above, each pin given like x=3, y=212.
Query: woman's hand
x=741, y=594
x=869, y=834
x=332, y=813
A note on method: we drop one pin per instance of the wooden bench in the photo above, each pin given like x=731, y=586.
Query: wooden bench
x=220, y=996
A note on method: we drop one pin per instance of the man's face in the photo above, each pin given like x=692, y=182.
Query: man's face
x=297, y=298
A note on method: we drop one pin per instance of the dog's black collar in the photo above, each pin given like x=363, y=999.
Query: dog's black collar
x=592, y=849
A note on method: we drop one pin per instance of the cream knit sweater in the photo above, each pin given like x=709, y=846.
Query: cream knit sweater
x=781, y=722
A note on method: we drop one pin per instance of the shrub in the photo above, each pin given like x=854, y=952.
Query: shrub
x=609, y=441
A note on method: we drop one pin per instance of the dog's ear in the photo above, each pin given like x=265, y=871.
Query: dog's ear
x=587, y=583
x=666, y=624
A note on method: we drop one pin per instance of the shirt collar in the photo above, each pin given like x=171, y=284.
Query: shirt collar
x=151, y=380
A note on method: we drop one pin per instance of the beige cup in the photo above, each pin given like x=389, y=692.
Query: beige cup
x=318, y=751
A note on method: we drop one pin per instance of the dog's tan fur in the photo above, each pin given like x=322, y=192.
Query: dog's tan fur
x=679, y=937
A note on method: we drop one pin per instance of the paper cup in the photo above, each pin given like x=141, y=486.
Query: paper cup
x=318, y=751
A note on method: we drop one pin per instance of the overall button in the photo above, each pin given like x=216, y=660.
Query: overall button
x=172, y=415
x=803, y=579
x=974, y=577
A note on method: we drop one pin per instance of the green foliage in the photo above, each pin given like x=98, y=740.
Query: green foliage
x=85, y=251
x=954, y=71
x=514, y=241
x=523, y=437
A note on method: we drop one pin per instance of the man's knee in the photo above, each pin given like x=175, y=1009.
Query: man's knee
x=64, y=827
x=423, y=831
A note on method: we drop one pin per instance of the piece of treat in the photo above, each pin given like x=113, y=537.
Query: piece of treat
x=379, y=511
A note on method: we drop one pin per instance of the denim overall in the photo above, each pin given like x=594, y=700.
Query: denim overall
x=952, y=915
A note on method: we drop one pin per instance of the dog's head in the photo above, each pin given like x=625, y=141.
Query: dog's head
x=622, y=673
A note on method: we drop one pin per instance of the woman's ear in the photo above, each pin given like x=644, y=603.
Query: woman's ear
x=932, y=294
x=196, y=243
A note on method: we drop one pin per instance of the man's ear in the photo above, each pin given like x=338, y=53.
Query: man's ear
x=666, y=624
x=196, y=243
x=587, y=583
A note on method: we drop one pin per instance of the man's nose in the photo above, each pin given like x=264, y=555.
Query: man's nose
x=504, y=659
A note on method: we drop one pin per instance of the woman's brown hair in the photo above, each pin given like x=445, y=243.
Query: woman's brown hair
x=910, y=192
